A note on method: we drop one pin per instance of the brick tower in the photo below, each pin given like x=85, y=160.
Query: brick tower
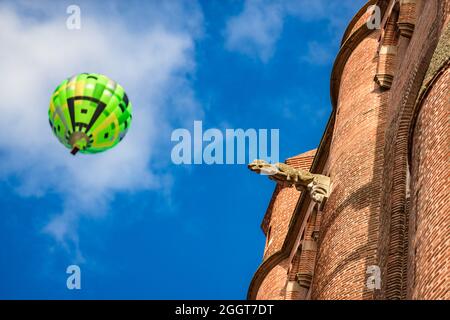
x=382, y=232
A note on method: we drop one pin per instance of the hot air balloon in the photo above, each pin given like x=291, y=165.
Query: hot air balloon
x=89, y=113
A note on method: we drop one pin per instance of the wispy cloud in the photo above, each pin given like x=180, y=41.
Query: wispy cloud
x=38, y=52
x=318, y=54
x=256, y=29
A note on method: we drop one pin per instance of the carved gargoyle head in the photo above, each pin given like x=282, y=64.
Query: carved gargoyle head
x=262, y=167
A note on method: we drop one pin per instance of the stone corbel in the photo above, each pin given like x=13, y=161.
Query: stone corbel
x=317, y=185
x=386, y=66
x=407, y=17
x=387, y=53
x=304, y=279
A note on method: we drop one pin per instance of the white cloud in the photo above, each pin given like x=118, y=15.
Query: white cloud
x=37, y=54
x=318, y=53
x=255, y=30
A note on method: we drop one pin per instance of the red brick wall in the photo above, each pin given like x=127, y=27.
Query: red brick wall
x=430, y=196
x=348, y=233
x=273, y=286
x=283, y=206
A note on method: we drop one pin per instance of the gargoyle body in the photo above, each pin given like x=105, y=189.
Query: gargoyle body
x=317, y=184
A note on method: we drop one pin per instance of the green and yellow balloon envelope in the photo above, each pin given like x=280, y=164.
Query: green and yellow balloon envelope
x=89, y=113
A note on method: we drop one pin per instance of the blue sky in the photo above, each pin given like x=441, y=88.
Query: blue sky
x=139, y=226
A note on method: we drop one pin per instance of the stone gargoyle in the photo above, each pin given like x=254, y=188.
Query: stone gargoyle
x=318, y=185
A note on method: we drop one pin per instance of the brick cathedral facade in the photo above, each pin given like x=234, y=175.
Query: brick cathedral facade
x=386, y=149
